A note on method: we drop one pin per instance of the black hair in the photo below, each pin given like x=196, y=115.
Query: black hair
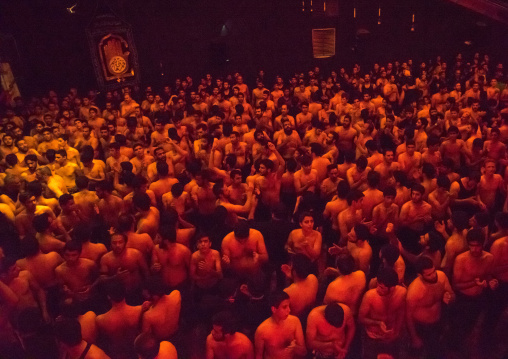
x=362, y=232
x=41, y=222
x=334, y=314
x=177, y=189
x=345, y=264
x=390, y=253
x=388, y=277
x=354, y=195
x=115, y=290
x=422, y=263
x=343, y=189
x=141, y=201
x=226, y=321
x=242, y=229
x=68, y=331
x=29, y=246
x=373, y=179
x=64, y=199
x=302, y=265
x=73, y=246
x=82, y=182
x=390, y=191
x=147, y=346
x=277, y=298
x=475, y=235
x=361, y=162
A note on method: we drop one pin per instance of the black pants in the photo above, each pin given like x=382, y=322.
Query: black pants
x=373, y=347
x=463, y=317
x=431, y=337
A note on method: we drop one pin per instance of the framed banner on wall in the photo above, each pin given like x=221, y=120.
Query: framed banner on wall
x=114, y=55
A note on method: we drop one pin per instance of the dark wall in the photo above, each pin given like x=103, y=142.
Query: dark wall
x=179, y=37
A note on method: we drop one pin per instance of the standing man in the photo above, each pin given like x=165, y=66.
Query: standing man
x=281, y=335
x=382, y=314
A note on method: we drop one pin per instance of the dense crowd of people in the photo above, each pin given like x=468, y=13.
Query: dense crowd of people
x=359, y=214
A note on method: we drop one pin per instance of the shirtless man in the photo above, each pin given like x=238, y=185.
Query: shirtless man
x=269, y=180
x=119, y=326
x=147, y=346
x=491, y=184
x=328, y=189
x=337, y=205
x=382, y=314
x=85, y=199
x=126, y=264
x=67, y=170
x=22, y=283
x=281, y=335
x=170, y=258
x=357, y=174
x=54, y=183
x=347, y=134
x=305, y=240
x=141, y=160
x=287, y=139
x=237, y=148
x=330, y=330
x=244, y=251
x=140, y=241
x=416, y=214
x=411, y=161
x=68, y=333
x=205, y=265
x=224, y=342
x=302, y=292
x=72, y=153
x=349, y=217
x=148, y=217
x=472, y=275
x=76, y=275
x=386, y=212
x=453, y=147
x=386, y=168
x=348, y=287
x=304, y=118
x=372, y=196
x=306, y=179
x=109, y=206
x=163, y=316
x=164, y=183
x=202, y=194
x=424, y=302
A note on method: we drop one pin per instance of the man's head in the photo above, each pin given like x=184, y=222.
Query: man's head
x=115, y=291
x=72, y=251
x=355, y=199
x=279, y=304
x=301, y=266
x=426, y=271
x=242, y=231
x=118, y=243
x=223, y=326
x=68, y=331
x=417, y=192
x=387, y=279
x=61, y=157
x=475, y=239
x=306, y=221
x=388, y=155
x=203, y=244
x=334, y=315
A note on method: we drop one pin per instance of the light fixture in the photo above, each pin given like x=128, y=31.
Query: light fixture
x=72, y=9
x=413, y=23
x=379, y=16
